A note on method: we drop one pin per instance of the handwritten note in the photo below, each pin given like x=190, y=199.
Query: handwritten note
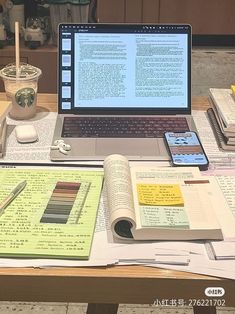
x=162, y=206
x=160, y=194
x=22, y=233
x=163, y=217
x=227, y=185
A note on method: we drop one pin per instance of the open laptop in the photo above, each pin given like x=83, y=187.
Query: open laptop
x=120, y=87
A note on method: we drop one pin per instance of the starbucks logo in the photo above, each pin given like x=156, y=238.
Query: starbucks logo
x=25, y=97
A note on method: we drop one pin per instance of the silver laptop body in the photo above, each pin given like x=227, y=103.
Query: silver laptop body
x=121, y=71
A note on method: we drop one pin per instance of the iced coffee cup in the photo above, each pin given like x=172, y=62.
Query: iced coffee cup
x=21, y=89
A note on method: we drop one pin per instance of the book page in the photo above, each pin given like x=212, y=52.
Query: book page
x=176, y=194
x=198, y=203
x=54, y=216
x=119, y=195
x=225, y=192
x=227, y=186
x=224, y=181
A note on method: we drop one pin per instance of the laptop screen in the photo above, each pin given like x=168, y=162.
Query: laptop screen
x=122, y=68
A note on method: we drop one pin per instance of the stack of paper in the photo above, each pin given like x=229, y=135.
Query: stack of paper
x=5, y=107
x=220, y=250
x=107, y=251
x=218, y=158
x=222, y=117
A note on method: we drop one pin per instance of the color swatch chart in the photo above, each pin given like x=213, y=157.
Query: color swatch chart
x=61, y=203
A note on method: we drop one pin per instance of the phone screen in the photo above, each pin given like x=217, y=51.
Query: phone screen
x=185, y=149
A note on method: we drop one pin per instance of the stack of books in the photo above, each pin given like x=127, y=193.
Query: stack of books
x=5, y=107
x=222, y=117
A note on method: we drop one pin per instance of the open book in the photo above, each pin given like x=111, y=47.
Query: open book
x=156, y=203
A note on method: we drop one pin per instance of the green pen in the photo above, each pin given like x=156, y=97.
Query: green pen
x=16, y=191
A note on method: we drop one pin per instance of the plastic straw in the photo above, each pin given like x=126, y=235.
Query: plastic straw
x=17, y=48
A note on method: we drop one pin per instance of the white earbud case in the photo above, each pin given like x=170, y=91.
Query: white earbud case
x=26, y=133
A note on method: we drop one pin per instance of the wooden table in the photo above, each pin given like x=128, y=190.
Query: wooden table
x=105, y=288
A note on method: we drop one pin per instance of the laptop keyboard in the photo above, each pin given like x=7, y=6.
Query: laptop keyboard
x=134, y=127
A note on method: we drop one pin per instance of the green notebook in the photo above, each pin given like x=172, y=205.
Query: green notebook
x=53, y=217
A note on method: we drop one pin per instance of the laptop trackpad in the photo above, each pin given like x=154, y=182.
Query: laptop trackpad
x=127, y=146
